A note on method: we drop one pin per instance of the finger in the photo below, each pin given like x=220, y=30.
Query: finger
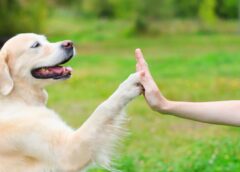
x=142, y=67
x=145, y=77
x=140, y=58
x=147, y=80
x=138, y=68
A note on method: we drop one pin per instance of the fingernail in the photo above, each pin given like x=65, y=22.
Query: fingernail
x=138, y=50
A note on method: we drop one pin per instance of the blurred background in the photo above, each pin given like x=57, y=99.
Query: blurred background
x=193, y=50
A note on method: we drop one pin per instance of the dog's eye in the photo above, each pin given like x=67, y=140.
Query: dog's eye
x=35, y=45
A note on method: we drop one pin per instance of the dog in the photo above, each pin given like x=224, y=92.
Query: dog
x=33, y=138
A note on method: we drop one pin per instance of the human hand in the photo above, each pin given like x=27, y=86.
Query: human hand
x=152, y=94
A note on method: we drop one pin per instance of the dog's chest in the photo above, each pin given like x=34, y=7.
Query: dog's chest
x=27, y=137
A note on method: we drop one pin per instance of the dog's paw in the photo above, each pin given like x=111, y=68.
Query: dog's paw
x=131, y=87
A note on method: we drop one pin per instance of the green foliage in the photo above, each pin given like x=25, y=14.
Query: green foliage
x=152, y=10
x=29, y=16
x=141, y=25
x=157, y=9
x=186, y=8
x=97, y=8
x=207, y=14
x=22, y=16
x=126, y=9
x=227, y=9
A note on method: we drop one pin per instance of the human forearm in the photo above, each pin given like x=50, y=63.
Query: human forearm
x=219, y=112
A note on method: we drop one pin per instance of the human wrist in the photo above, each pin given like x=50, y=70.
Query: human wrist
x=164, y=106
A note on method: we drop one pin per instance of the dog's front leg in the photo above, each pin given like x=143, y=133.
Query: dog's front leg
x=95, y=139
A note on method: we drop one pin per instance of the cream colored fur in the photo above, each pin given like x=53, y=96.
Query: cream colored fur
x=33, y=138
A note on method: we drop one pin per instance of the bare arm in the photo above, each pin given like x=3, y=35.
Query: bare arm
x=219, y=112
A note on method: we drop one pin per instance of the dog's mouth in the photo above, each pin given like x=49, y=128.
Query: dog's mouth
x=53, y=72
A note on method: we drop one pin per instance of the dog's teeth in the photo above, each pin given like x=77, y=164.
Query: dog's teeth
x=69, y=69
x=44, y=70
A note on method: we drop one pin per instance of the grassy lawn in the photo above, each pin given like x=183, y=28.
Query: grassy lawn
x=186, y=67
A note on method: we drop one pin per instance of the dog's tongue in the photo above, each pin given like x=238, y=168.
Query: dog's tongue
x=59, y=70
x=56, y=69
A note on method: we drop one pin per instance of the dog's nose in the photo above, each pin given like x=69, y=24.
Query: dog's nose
x=67, y=44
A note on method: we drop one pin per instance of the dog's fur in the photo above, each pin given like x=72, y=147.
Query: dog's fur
x=32, y=137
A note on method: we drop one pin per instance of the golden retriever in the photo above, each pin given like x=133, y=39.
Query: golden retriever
x=33, y=138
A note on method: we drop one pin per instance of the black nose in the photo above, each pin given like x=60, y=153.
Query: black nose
x=67, y=44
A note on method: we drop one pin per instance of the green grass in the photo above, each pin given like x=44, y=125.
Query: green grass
x=186, y=67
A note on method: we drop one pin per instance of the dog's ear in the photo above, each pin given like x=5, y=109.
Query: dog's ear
x=6, y=82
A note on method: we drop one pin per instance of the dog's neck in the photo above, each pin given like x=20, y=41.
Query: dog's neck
x=28, y=94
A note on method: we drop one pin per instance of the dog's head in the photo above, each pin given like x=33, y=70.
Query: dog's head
x=31, y=58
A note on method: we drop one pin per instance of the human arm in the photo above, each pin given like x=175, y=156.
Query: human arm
x=219, y=112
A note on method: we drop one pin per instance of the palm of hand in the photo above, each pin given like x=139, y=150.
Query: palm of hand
x=152, y=94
